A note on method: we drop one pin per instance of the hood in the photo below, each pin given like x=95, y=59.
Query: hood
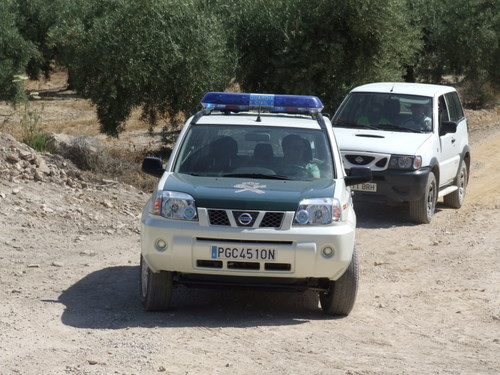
x=387, y=142
x=247, y=193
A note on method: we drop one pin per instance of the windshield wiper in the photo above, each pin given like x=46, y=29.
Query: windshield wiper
x=399, y=128
x=353, y=124
x=258, y=176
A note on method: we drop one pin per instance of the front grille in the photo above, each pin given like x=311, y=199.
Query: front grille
x=245, y=218
x=209, y=263
x=381, y=163
x=218, y=217
x=240, y=265
x=249, y=216
x=243, y=265
x=359, y=159
x=272, y=220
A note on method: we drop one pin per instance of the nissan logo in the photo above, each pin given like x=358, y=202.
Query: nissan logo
x=245, y=218
x=359, y=159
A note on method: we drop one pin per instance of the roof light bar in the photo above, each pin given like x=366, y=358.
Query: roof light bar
x=238, y=102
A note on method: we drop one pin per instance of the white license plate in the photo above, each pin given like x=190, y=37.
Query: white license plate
x=369, y=186
x=243, y=253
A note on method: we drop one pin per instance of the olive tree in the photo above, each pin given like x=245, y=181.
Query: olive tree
x=159, y=55
x=15, y=52
x=461, y=38
x=320, y=47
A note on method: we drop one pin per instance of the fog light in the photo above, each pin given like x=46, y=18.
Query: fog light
x=327, y=252
x=160, y=245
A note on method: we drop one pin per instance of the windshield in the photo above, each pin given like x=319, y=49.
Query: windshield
x=255, y=152
x=394, y=112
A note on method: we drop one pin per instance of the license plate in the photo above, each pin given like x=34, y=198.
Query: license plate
x=243, y=253
x=369, y=186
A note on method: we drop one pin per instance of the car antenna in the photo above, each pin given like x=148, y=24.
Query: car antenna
x=258, y=114
x=392, y=88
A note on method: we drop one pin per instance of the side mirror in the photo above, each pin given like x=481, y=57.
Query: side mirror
x=358, y=176
x=447, y=127
x=153, y=166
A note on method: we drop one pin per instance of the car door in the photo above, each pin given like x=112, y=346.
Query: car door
x=449, y=147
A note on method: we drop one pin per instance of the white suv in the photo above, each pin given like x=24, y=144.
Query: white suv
x=414, y=139
x=254, y=195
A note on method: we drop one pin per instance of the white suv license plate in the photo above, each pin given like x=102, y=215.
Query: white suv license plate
x=243, y=253
x=369, y=186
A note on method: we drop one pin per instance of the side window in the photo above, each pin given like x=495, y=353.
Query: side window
x=443, y=110
x=454, y=106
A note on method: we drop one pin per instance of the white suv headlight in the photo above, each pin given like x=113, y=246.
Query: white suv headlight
x=174, y=205
x=405, y=162
x=318, y=211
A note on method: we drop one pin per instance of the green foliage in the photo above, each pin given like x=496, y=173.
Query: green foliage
x=34, y=18
x=31, y=117
x=462, y=38
x=15, y=52
x=320, y=47
x=161, y=55
x=38, y=142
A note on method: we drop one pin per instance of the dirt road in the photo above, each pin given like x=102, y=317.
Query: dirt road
x=428, y=301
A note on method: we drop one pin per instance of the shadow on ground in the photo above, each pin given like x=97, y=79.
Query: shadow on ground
x=109, y=299
x=372, y=215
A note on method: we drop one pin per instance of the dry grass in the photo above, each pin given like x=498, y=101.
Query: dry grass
x=62, y=111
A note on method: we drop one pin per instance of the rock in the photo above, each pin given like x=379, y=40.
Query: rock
x=43, y=167
x=26, y=155
x=47, y=209
x=56, y=143
x=38, y=176
x=107, y=204
x=11, y=158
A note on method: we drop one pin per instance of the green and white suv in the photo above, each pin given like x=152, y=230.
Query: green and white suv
x=254, y=195
x=414, y=139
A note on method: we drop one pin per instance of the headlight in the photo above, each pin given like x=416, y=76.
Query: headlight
x=405, y=162
x=318, y=211
x=174, y=205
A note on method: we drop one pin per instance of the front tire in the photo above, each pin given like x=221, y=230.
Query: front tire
x=456, y=199
x=422, y=210
x=341, y=295
x=156, y=288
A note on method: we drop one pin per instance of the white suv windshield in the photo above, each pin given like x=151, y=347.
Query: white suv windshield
x=381, y=111
x=255, y=151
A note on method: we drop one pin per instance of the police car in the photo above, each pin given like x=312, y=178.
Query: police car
x=413, y=137
x=254, y=195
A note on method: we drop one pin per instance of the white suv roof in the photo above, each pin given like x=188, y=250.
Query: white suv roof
x=405, y=88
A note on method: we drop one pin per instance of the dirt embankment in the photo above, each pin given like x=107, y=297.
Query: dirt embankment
x=69, y=250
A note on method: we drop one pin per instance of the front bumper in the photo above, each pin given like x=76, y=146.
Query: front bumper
x=298, y=249
x=396, y=186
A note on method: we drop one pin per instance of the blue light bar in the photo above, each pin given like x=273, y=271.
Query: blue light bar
x=238, y=102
